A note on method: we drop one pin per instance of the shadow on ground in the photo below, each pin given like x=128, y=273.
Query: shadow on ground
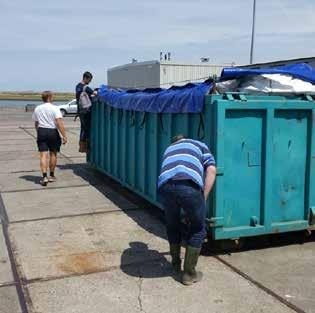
x=32, y=178
x=115, y=192
x=157, y=265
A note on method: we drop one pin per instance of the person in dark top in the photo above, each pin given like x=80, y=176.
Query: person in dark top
x=85, y=116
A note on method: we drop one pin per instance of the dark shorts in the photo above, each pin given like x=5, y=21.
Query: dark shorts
x=48, y=140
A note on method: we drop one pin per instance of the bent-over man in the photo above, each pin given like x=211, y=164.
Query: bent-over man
x=187, y=175
x=48, y=123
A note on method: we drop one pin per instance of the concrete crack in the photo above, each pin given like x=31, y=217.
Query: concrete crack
x=140, y=293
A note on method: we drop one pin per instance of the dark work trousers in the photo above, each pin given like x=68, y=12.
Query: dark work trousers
x=186, y=195
x=85, y=119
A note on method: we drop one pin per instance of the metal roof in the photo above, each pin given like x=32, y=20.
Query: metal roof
x=281, y=62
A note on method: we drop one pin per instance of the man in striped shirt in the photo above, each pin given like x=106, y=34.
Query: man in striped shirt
x=187, y=176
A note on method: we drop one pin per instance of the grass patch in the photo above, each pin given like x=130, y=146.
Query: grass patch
x=33, y=96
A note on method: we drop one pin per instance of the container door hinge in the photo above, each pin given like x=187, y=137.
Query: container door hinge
x=312, y=215
x=229, y=96
x=220, y=170
x=215, y=221
x=253, y=221
x=308, y=97
x=242, y=97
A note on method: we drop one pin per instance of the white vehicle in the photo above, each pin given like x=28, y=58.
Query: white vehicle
x=70, y=107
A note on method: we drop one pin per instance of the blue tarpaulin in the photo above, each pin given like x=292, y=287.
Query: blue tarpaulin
x=302, y=71
x=183, y=99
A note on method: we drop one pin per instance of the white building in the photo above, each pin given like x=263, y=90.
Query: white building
x=164, y=74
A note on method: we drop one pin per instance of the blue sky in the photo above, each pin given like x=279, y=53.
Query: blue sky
x=47, y=45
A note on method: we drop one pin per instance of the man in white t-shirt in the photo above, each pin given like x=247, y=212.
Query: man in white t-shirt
x=49, y=126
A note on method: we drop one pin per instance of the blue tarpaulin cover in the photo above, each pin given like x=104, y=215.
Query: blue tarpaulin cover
x=177, y=99
x=302, y=71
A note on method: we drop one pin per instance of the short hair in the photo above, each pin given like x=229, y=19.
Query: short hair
x=46, y=95
x=178, y=137
x=87, y=75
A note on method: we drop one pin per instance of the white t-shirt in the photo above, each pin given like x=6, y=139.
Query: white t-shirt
x=46, y=114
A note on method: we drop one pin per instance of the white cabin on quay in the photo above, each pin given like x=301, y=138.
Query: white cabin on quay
x=164, y=74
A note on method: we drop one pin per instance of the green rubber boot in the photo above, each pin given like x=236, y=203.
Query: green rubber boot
x=190, y=274
x=175, y=254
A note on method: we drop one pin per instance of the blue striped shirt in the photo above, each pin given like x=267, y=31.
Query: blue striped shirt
x=185, y=159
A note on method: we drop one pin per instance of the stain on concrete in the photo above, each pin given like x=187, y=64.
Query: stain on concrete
x=83, y=263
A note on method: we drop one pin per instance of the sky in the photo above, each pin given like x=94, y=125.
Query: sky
x=48, y=45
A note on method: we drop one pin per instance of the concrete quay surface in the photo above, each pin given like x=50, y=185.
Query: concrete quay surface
x=85, y=244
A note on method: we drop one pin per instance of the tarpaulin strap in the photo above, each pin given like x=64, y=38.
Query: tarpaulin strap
x=201, y=127
x=132, y=118
x=120, y=116
x=161, y=121
x=144, y=116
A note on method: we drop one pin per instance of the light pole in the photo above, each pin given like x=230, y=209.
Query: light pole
x=253, y=33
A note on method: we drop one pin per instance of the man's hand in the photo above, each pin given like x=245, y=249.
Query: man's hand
x=62, y=130
x=211, y=173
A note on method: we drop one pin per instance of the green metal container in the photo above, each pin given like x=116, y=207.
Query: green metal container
x=263, y=145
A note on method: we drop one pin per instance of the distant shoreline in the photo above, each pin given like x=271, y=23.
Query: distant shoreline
x=63, y=96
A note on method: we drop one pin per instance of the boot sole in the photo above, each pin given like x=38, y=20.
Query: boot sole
x=188, y=283
x=192, y=281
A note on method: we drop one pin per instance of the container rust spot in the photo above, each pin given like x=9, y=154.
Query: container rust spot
x=88, y=262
